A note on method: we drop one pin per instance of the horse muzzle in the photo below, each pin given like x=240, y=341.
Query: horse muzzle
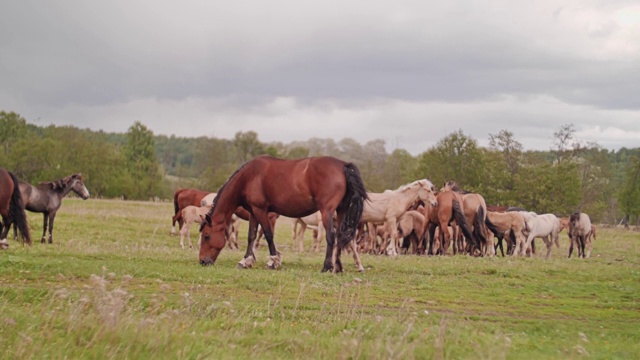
x=205, y=262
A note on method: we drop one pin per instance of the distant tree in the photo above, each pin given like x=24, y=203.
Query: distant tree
x=247, y=146
x=297, y=152
x=563, y=142
x=547, y=188
x=13, y=128
x=400, y=168
x=215, y=160
x=456, y=157
x=143, y=164
x=629, y=195
x=510, y=148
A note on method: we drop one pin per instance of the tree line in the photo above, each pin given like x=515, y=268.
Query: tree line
x=573, y=175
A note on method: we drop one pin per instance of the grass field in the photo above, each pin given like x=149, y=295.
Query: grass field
x=116, y=285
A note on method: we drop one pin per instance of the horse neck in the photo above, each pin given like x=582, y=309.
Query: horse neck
x=65, y=191
x=227, y=202
x=408, y=197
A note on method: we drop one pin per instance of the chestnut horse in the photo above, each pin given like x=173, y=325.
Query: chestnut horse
x=293, y=188
x=11, y=208
x=181, y=199
x=475, y=211
x=447, y=210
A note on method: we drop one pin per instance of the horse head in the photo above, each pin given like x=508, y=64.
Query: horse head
x=427, y=192
x=77, y=185
x=213, y=240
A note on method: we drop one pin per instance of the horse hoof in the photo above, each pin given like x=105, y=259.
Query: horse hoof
x=241, y=266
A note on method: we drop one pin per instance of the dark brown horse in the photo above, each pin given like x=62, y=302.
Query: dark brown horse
x=293, y=188
x=181, y=199
x=47, y=197
x=11, y=208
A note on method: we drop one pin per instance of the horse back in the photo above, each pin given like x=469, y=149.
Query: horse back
x=294, y=188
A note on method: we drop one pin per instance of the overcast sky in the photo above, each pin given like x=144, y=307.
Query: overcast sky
x=407, y=72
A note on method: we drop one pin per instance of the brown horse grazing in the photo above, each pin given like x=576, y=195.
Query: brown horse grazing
x=181, y=199
x=293, y=188
x=11, y=208
x=46, y=198
x=447, y=210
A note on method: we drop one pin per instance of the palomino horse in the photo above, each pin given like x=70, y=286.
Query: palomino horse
x=411, y=230
x=508, y=224
x=579, y=230
x=11, y=208
x=388, y=206
x=47, y=197
x=475, y=211
x=181, y=199
x=292, y=188
x=447, y=209
x=191, y=214
x=545, y=226
x=313, y=221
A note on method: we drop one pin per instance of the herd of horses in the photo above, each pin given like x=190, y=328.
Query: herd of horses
x=328, y=195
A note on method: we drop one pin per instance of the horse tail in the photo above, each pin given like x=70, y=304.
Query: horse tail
x=479, y=225
x=492, y=227
x=175, y=201
x=512, y=237
x=16, y=211
x=458, y=215
x=352, y=203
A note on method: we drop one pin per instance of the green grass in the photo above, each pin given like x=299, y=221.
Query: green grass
x=115, y=285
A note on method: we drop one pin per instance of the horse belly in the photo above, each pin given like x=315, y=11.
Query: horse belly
x=294, y=209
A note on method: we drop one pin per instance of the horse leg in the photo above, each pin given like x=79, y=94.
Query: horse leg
x=318, y=238
x=183, y=231
x=391, y=229
x=571, y=241
x=44, y=227
x=549, y=242
x=356, y=257
x=329, y=261
x=582, y=245
x=52, y=216
x=300, y=237
x=527, y=244
x=249, y=256
x=432, y=232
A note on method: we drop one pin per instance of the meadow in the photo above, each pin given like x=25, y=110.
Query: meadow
x=116, y=285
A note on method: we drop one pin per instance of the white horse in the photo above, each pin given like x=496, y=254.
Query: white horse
x=543, y=226
x=390, y=205
x=207, y=200
x=313, y=221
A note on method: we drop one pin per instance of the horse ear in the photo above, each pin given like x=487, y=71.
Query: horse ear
x=208, y=219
